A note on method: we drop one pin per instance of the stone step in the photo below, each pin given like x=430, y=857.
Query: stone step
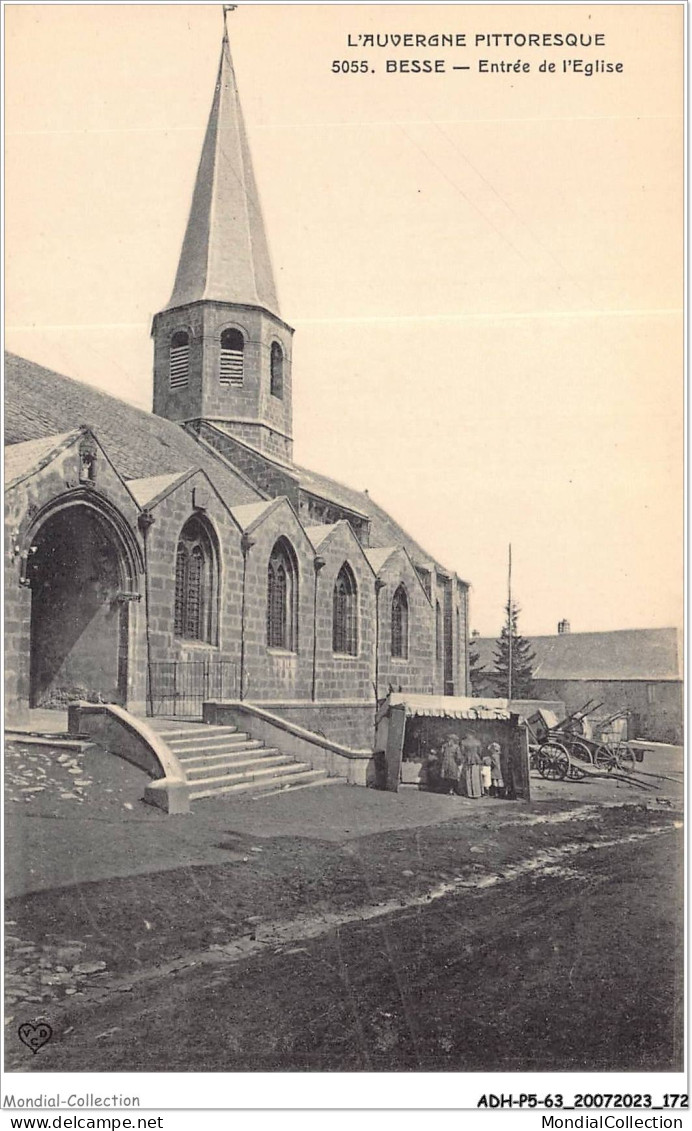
x=280, y=788
x=57, y=741
x=232, y=742
x=194, y=773
x=200, y=730
x=256, y=775
x=301, y=776
x=231, y=756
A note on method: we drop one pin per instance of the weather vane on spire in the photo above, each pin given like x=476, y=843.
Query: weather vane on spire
x=226, y=9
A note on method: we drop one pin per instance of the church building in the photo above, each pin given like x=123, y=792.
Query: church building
x=155, y=561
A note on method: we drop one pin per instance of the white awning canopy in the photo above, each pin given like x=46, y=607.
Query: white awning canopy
x=448, y=706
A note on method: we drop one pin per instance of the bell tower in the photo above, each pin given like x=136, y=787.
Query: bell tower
x=221, y=350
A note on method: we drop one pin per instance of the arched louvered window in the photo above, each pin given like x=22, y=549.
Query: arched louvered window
x=438, y=631
x=282, y=597
x=196, y=584
x=179, y=367
x=345, y=618
x=400, y=624
x=231, y=358
x=277, y=370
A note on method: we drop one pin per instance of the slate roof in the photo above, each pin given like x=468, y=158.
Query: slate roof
x=384, y=530
x=249, y=514
x=377, y=557
x=144, y=490
x=317, y=534
x=23, y=459
x=625, y=654
x=225, y=255
x=40, y=403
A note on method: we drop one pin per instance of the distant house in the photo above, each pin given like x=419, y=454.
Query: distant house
x=638, y=670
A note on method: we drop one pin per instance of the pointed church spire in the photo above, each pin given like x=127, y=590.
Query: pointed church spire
x=225, y=256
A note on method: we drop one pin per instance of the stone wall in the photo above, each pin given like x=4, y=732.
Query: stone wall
x=656, y=707
x=414, y=673
x=170, y=516
x=345, y=676
x=204, y=395
x=329, y=693
x=58, y=493
x=350, y=722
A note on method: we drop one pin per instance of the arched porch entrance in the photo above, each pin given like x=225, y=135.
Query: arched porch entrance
x=82, y=578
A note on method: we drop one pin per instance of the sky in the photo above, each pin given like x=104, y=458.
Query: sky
x=484, y=269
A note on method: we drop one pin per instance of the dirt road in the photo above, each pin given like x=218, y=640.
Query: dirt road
x=534, y=938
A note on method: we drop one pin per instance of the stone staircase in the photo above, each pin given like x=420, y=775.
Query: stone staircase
x=221, y=759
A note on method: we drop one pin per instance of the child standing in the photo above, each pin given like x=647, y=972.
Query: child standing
x=486, y=773
x=497, y=784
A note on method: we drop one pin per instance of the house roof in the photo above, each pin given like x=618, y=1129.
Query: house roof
x=40, y=403
x=225, y=255
x=625, y=654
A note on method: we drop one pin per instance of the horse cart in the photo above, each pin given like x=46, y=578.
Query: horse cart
x=563, y=749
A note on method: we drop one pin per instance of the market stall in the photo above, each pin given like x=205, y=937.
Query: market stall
x=411, y=731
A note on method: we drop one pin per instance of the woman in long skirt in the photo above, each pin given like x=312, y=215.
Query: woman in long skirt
x=471, y=753
x=449, y=768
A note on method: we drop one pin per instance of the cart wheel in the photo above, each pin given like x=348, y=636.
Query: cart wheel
x=624, y=757
x=579, y=755
x=604, y=758
x=553, y=761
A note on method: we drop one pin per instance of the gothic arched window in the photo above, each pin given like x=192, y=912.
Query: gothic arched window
x=345, y=619
x=438, y=631
x=196, y=584
x=400, y=624
x=277, y=370
x=231, y=357
x=282, y=597
x=179, y=364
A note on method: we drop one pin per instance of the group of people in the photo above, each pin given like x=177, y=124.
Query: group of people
x=461, y=767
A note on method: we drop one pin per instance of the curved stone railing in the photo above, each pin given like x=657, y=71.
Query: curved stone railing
x=120, y=733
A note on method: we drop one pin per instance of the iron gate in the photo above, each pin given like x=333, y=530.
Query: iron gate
x=178, y=688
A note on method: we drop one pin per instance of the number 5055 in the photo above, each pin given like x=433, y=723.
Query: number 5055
x=350, y=66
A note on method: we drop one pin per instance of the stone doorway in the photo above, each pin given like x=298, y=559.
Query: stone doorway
x=79, y=610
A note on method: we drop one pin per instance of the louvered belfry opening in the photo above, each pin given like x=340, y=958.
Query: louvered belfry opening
x=195, y=584
x=400, y=624
x=345, y=617
x=231, y=358
x=179, y=360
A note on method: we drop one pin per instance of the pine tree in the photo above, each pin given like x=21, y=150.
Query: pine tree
x=477, y=674
x=522, y=658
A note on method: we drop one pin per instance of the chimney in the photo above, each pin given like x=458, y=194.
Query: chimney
x=563, y=627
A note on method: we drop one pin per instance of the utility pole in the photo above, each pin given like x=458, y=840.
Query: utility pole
x=509, y=624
